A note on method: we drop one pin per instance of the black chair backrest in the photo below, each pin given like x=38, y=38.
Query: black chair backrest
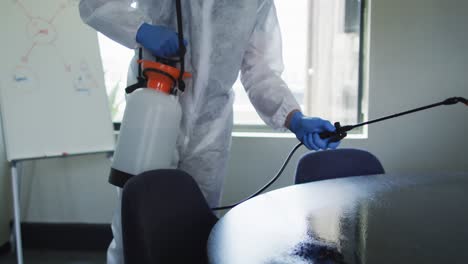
x=165, y=219
x=338, y=163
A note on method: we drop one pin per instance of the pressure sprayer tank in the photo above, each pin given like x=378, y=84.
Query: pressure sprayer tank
x=150, y=125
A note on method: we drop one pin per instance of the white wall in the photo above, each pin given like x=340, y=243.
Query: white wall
x=417, y=56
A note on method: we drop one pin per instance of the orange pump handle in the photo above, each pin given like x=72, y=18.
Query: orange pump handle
x=160, y=76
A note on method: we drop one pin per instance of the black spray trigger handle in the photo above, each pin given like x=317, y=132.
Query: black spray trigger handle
x=338, y=134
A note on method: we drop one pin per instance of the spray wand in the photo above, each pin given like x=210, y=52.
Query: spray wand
x=339, y=134
x=341, y=131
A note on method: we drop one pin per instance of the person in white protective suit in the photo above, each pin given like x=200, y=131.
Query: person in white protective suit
x=223, y=37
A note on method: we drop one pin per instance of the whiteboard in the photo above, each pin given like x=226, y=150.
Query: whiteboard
x=52, y=94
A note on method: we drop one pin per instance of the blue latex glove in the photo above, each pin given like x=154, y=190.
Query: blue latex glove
x=307, y=130
x=160, y=41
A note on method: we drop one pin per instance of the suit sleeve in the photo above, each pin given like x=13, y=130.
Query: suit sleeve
x=116, y=19
x=261, y=70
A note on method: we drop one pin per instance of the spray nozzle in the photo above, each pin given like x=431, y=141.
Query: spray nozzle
x=463, y=100
x=455, y=100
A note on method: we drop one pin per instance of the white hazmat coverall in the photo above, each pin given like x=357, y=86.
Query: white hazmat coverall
x=224, y=37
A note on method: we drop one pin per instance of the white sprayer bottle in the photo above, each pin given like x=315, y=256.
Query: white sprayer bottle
x=150, y=125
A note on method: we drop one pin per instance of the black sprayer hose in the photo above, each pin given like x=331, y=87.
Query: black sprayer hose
x=182, y=49
x=278, y=174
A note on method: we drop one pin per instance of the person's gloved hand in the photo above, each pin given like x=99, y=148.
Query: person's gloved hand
x=161, y=41
x=307, y=130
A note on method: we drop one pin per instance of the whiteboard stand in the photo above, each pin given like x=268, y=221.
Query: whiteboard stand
x=17, y=243
x=16, y=207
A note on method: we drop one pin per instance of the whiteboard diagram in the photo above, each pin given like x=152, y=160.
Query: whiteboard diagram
x=42, y=31
x=51, y=81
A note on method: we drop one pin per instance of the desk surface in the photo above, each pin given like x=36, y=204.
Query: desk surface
x=392, y=218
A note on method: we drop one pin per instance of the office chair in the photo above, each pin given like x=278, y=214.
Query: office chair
x=165, y=219
x=338, y=163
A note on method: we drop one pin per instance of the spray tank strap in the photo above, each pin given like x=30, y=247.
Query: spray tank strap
x=141, y=83
x=182, y=49
x=141, y=80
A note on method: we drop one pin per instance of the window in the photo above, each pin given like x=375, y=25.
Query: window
x=322, y=53
x=322, y=57
x=115, y=61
